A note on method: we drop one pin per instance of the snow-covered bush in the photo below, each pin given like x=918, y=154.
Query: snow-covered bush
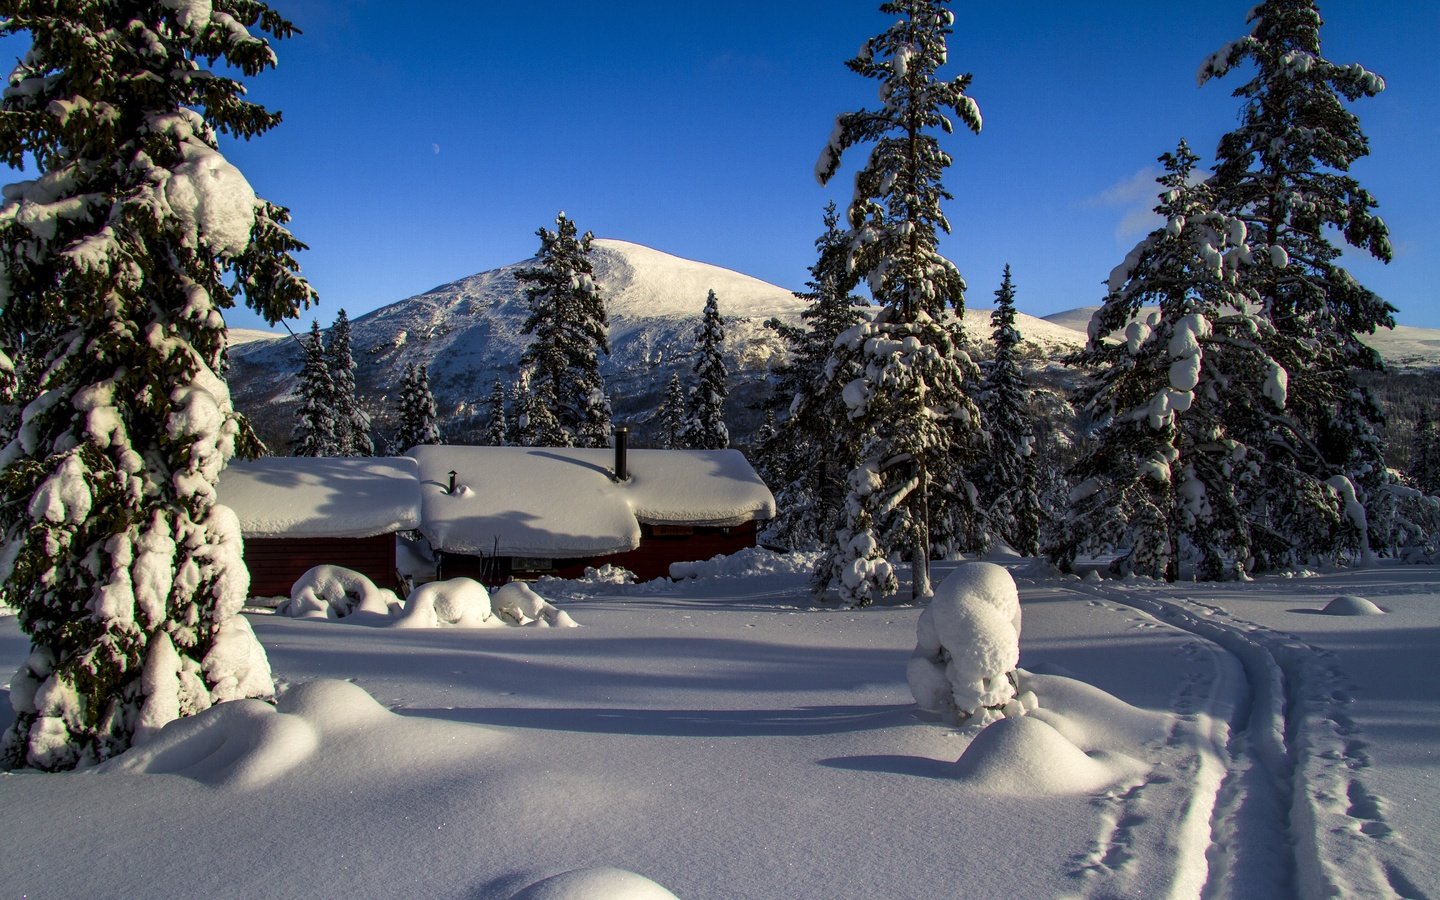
x=334, y=592
x=465, y=603
x=967, y=646
x=609, y=574
x=519, y=605
x=459, y=602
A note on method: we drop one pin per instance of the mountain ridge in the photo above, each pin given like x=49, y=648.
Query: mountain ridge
x=468, y=332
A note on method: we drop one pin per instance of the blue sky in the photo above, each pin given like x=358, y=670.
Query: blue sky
x=427, y=142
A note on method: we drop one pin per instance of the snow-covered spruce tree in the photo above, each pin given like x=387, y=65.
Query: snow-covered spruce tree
x=1164, y=476
x=807, y=460
x=497, y=426
x=705, y=428
x=672, y=415
x=352, y=424
x=119, y=260
x=902, y=374
x=418, y=424
x=1008, y=475
x=539, y=425
x=515, y=402
x=1284, y=171
x=763, y=435
x=1425, y=454
x=315, y=425
x=567, y=319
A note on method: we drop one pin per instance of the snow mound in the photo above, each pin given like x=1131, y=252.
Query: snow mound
x=1347, y=605
x=333, y=707
x=1094, y=720
x=246, y=744
x=1027, y=757
x=334, y=592
x=457, y=602
x=243, y=744
x=464, y=603
x=750, y=562
x=967, y=646
x=517, y=603
x=598, y=883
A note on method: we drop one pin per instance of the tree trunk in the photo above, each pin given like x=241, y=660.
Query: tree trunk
x=920, y=566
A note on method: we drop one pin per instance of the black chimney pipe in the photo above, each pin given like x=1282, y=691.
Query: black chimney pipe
x=622, y=446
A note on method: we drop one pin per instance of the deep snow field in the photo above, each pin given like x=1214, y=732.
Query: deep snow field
x=723, y=738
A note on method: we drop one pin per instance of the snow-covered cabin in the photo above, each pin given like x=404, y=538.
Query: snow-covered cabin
x=528, y=511
x=299, y=512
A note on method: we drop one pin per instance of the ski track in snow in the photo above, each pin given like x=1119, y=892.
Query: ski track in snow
x=1165, y=816
x=1273, y=766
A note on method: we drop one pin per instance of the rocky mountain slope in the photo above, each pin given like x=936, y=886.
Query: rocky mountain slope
x=468, y=334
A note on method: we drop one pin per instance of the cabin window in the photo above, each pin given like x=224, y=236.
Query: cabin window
x=532, y=564
x=672, y=530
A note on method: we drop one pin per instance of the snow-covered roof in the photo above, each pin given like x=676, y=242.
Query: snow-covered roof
x=562, y=502
x=286, y=496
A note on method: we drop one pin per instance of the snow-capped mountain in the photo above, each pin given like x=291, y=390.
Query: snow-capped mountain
x=468, y=334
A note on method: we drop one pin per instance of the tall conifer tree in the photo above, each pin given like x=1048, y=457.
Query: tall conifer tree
x=809, y=457
x=497, y=427
x=120, y=259
x=672, y=415
x=1168, y=473
x=1009, y=478
x=418, y=423
x=902, y=374
x=352, y=424
x=705, y=429
x=315, y=425
x=539, y=426
x=1284, y=171
x=567, y=319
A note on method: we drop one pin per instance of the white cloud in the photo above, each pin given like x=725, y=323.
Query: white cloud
x=1134, y=198
x=1138, y=188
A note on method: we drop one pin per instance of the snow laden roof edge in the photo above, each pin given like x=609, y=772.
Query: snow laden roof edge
x=294, y=497
x=562, y=502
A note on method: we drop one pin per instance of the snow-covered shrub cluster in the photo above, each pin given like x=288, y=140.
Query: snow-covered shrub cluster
x=517, y=604
x=333, y=592
x=967, y=647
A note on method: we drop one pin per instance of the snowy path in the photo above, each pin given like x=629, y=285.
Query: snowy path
x=1295, y=815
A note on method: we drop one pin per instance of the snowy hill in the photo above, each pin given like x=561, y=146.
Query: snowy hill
x=241, y=336
x=1402, y=347
x=468, y=333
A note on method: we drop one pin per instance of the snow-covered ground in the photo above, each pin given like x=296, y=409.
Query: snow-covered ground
x=720, y=737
